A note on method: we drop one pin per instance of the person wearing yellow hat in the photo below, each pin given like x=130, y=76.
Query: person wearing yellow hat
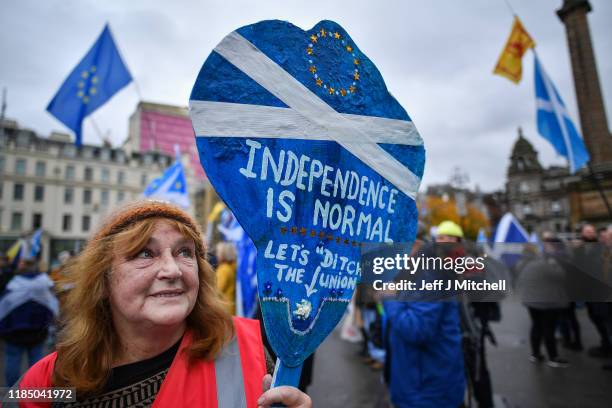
x=449, y=231
x=428, y=332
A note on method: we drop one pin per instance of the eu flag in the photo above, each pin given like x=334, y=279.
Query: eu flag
x=96, y=78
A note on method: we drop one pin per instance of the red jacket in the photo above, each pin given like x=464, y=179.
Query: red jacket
x=241, y=367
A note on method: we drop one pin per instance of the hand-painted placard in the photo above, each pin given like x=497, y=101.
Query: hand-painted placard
x=299, y=136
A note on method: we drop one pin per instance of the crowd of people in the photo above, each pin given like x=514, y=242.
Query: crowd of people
x=433, y=353
x=569, y=276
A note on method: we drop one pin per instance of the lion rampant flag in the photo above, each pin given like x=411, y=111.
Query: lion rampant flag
x=510, y=61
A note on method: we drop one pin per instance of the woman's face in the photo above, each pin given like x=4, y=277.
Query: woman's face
x=159, y=285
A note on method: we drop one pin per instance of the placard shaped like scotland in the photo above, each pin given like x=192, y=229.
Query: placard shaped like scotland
x=299, y=136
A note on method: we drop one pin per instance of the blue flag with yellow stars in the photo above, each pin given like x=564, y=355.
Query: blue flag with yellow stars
x=300, y=137
x=170, y=186
x=99, y=75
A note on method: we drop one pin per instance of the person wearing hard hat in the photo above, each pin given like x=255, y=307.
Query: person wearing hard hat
x=449, y=231
x=424, y=355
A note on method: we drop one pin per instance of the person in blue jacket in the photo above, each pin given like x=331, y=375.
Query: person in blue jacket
x=27, y=309
x=425, y=353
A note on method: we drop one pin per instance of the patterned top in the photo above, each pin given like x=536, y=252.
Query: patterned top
x=137, y=384
x=141, y=394
x=131, y=385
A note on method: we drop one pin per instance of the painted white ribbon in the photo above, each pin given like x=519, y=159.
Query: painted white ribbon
x=347, y=130
x=224, y=119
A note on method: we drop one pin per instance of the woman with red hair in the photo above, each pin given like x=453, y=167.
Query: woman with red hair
x=146, y=326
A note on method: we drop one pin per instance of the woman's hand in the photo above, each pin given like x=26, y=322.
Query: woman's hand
x=290, y=397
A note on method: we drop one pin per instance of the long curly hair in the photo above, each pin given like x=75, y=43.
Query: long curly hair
x=88, y=342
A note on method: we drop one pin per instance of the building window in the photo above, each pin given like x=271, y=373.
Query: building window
x=555, y=206
x=68, y=195
x=120, y=178
x=41, y=169
x=69, y=150
x=105, y=154
x=39, y=193
x=18, y=192
x=2, y=164
x=104, y=197
x=120, y=196
x=526, y=209
x=105, y=175
x=23, y=140
x=67, y=222
x=16, y=220
x=70, y=172
x=36, y=221
x=85, y=223
x=88, y=153
x=20, y=167
x=88, y=174
x=87, y=196
x=143, y=180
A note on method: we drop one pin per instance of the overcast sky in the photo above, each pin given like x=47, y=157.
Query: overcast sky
x=436, y=58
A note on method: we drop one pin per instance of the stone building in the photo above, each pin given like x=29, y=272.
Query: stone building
x=553, y=199
x=51, y=184
x=537, y=196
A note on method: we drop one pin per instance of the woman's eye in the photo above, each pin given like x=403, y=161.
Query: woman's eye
x=186, y=252
x=145, y=253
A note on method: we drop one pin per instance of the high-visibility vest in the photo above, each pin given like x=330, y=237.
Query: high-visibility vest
x=233, y=380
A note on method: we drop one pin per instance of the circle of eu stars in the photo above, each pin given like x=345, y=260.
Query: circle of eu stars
x=333, y=39
x=89, y=80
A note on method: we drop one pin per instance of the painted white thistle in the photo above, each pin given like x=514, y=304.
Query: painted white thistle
x=303, y=309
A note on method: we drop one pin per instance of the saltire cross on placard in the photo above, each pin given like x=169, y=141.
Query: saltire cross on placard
x=301, y=139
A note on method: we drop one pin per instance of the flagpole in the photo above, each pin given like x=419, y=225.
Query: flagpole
x=97, y=129
x=510, y=7
x=3, y=109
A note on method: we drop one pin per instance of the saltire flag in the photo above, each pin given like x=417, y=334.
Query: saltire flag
x=246, y=277
x=96, y=78
x=510, y=62
x=229, y=227
x=170, y=186
x=35, y=243
x=510, y=239
x=283, y=118
x=246, y=258
x=555, y=123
